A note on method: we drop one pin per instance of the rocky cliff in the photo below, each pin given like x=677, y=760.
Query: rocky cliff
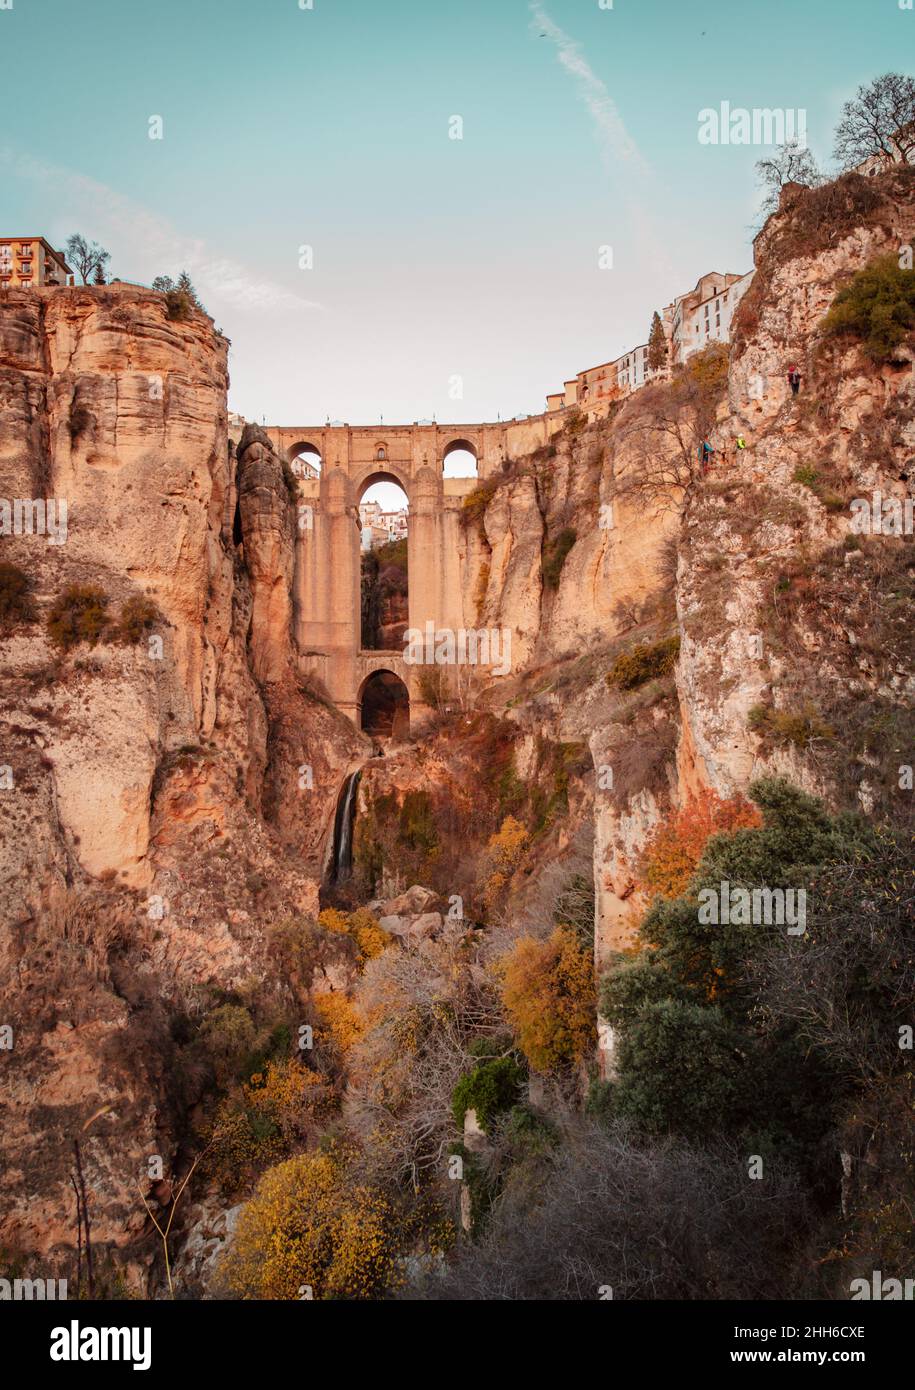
x=172, y=779
x=169, y=780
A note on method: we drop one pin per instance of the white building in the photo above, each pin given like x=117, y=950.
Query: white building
x=704, y=315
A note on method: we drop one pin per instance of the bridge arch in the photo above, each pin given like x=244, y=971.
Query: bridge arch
x=383, y=704
x=465, y=459
x=386, y=473
x=305, y=453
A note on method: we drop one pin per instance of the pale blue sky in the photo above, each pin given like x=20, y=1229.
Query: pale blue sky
x=433, y=258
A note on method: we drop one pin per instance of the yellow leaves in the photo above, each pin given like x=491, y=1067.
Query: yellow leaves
x=332, y=920
x=370, y=938
x=506, y=850
x=263, y=1119
x=549, y=998
x=507, y=846
x=340, y=1018
x=281, y=1092
x=307, y=1223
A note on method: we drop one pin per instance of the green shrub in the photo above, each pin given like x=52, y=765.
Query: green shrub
x=16, y=604
x=80, y=614
x=644, y=663
x=417, y=822
x=878, y=306
x=491, y=1088
x=810, y=478
x=179, y=306
x=554, y=556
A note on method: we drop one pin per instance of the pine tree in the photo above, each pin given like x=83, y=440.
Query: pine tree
x=186, y=287
x=657, y=345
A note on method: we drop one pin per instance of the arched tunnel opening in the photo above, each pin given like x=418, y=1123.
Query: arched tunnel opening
x=384, y=706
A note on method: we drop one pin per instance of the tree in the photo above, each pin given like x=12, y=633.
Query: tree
x=99, y=276
x=664, y=424
x=88, y=258
x=675, y=847
x=549, y=999
x=880, y=121
x=657, y=345
x=163, y=284
x=309, y=1225
x=877, y=306
x=670, y=1220
x=789, y=163
x=185, y=286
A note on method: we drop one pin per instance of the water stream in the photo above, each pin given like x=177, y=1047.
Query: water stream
x=341, y=864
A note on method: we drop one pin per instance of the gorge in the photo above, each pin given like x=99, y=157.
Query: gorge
x=234, y=935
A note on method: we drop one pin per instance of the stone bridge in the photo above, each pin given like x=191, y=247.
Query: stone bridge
x=349, y=459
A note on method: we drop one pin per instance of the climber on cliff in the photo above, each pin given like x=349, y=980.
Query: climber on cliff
x=739, y=445
x=794, y=379
x=705, y=452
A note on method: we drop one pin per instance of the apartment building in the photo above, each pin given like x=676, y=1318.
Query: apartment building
x=690, y=323
x=29, y=261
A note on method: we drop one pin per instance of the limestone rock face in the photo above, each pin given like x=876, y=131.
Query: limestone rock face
x=181, y=775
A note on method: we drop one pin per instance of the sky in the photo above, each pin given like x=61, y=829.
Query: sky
x=455, y=279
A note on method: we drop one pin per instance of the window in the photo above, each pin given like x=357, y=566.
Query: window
x=26, y=284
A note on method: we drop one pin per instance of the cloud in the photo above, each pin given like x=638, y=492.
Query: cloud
x=154, y=245
x=614, y=138
x=638, y=190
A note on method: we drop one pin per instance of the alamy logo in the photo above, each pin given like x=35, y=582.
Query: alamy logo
x=74, y=1343
x=33, y=1290
x=761, y=126
x=883, y=1290
x=882, y=516
x=443, y=646
x=744, y=907
x=27, y=516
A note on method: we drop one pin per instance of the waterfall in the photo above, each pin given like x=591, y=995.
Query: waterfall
x=342, y=857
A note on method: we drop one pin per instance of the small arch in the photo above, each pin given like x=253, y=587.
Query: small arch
x=384, y=705
x=304, y=459
x=381, y=452
x=460, y=460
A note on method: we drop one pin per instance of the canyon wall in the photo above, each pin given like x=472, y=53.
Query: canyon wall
x=170, y=785
x=172, y=781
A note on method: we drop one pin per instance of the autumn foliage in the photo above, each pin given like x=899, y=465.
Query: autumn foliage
x=673, y=851
x=309, y=1231
x=549, y=999
x=505, y=851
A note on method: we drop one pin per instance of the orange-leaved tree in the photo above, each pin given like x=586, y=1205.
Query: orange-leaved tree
x=549, y=999
x=672, y=852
